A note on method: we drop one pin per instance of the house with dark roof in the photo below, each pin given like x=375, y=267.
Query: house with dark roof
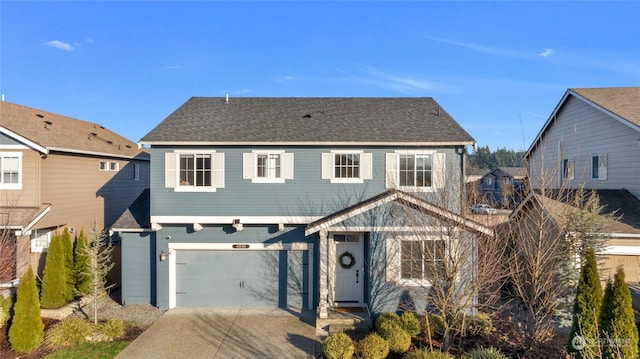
x=296, y=203
x=592, y=140
x=57, y=172
x=501, y=186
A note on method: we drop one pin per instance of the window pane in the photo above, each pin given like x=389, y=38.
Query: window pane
x=274, y=166
x=406, y=172
x=411, y=260
x=9, y=169
x=261, y=165
x=203, y=170
x=347, y=165
x=594, y=167
x=186, y=170
x=434, y=259
x=423, y=170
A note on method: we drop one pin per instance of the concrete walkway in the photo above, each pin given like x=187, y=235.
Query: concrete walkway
x=227, y=333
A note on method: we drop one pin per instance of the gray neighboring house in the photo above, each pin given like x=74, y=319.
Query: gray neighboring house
x=592, y=139
x=294, y=203
x=501, y=185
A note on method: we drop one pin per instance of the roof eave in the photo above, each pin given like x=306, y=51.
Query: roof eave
x=26, y=141
x=305, y=143
x=93, y=153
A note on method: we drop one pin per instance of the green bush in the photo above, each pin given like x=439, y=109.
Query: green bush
x=586, y=307
x=82, y=265
x=617, y=321
x=490, y=353
x=387, y=317
x=338, y=346
x=480, y=324
x=410, y=322
x=399, y=340
x=5, y=310
x=427, y=354
x=71, y=331
x=373, y=346
x=68, y=264
x=54, y=278
x=27, y=330
x=112, y=328
x=433, y=324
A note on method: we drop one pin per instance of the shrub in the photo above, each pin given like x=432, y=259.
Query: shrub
x=67, y=246
x=5, y=310
x=427, y=354
x=82, y=265
x=27, y=330
x=617, y=322
x=338, y=346
x=490, y=353
x=586, y=306
x=387, y=317
x=54, y=277
x=73, y=331
x=112, y=328
x=433, y=324
x=480, y=324
x=373, y=346
x=399, y=340
x=410, y=322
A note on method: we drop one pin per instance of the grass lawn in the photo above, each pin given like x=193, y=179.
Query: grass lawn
x=102, y=350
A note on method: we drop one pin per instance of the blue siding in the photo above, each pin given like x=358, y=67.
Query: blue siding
x=138, y=268
x=306, y=194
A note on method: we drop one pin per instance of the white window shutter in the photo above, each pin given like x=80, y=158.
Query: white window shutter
x=170, y=172
x=366, y=160
x=287, y=165
x=392, y=265
x=327, y=165
x=391, y=170
x=218, y=170
x=439, y=172
x=248, y=165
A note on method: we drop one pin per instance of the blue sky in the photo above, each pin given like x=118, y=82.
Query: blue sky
x=499, y=68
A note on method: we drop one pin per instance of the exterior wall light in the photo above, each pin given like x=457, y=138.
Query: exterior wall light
x=163, y=255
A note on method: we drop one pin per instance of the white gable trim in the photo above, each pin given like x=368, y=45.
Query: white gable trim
x=24, y=140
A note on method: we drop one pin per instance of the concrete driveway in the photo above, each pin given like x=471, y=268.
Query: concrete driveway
x=227, y=333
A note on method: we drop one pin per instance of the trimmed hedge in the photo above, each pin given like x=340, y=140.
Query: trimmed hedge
x=338, y=346
x=373, y=346
x=427, y=354
x=399, y=340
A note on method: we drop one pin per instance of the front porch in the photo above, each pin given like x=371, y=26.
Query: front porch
x=354, y=321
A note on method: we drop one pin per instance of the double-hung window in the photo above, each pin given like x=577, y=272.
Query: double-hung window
x=10, y=170
x=195, y=171
x=346, y=166
x=415, y=171
x=267, y=166
x=599, y=167
x=417, y=261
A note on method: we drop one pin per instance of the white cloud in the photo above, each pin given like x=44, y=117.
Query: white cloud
x=401, y=83
x=480, y=48
x=546, y=53
x=173, y=67
x=60, y=45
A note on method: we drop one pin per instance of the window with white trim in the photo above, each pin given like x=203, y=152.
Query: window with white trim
x=10, y=170
x=346, y=166
x=114, y=166
x=599, y=167
x=267, y=166
x=568, y=168
x=103, y=166
x=196, y=171
x=415, y=171
x=40, y=240
x=422, y=259
x=136, y=171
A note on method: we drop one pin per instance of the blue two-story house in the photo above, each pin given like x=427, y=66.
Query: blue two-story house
x=310, y=203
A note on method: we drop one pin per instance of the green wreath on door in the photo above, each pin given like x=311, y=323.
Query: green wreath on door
x=346, y=260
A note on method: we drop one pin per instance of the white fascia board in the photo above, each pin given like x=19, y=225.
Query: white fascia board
x=538, y=137
x=622, y=250
x=91, y=153
x=230, y=219
x=24, y=140
x=130, y=230
x=242, y=246
x=301, y=143
x=30, y=225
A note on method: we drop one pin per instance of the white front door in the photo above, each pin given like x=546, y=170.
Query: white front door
x=349, y=278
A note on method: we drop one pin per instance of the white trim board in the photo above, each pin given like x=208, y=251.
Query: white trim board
x=230, y=219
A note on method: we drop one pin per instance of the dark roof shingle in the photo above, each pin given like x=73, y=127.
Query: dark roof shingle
x=244, y=120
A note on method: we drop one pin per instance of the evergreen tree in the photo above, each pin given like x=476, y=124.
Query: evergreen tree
x=82, y=270
x=54, y=277
x=586, y=308
x=618, y=331
x=68, y=264
x=27, y=330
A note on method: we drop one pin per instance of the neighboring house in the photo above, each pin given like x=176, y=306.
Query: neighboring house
x=55, y=172
x=592, y=139
x=295, y=202
x=503, y=185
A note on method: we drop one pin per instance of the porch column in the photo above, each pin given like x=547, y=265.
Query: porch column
x=323, y=304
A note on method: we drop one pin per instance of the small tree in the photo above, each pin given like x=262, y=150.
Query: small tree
x=586, y=307
x=54, y=277
x=619, y=334
x=27, y=330
x=82, y=265
x=68, y=264
x=98, y=250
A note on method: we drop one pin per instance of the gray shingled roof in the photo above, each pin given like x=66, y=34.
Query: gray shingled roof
x=61, y=133
x=246, y=120
x=136, y=216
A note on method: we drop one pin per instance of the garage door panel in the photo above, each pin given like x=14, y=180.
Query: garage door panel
x=240, y=278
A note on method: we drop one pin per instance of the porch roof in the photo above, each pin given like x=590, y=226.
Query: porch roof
x=401, y=197
x=22, y=219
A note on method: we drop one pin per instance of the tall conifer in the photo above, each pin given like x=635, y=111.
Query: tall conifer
x=54, y=280
x=27, y=330
x=618, y=331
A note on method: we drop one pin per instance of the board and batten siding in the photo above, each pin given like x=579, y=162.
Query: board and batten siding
x=80, y=193
x=306, y=194
x=579, y=132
